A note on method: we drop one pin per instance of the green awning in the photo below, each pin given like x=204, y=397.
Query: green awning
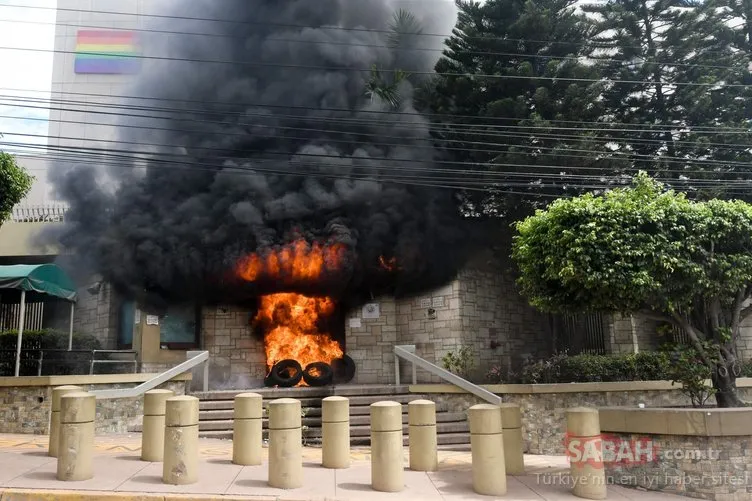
x=47, y=279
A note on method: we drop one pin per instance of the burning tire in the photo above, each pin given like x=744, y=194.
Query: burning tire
x=285, y=374
x=344, y=369
x=318, y=374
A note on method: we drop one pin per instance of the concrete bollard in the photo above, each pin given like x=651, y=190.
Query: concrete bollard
x=487, y=445
x=153, y=431
x=585, y=450
x=180, y=460
x=285, y=444
x=514, y=456
x=57, y=393
x=247, y=439
x=421, y=419
x=387, y=469
x=75, y=461
x=335, y=432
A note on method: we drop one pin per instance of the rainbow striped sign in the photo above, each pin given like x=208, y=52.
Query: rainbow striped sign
x=106, y=52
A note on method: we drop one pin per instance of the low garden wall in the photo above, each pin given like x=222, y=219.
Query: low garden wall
x=543, y=405
x=25, y=401
x=699, y=453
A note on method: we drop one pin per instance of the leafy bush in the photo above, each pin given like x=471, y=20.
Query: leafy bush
x=57, y=363
x=747, y=369
x=460, y=363
x=688, y=368
x=562, y=368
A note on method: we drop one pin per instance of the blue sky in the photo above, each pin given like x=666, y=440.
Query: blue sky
x=24, y=27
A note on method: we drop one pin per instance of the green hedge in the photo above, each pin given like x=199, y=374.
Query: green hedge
x=57, y=364
x=561, y=368
x=643, y=366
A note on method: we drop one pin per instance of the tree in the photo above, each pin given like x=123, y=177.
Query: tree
x=520, y=104
x=15, y=184
x=647, y=250
x=670, y=63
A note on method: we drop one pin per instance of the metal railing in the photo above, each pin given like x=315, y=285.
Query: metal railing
x=61, y=359
x=51, y=213
x=197, y=358
x=407, y=353
x=95, y=361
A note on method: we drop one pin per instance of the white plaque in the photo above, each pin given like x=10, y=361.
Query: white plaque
x=152, y=320
x=137, y=317
x=355, y=323
x=371, y=310
x=425, y=302
x=438, y=302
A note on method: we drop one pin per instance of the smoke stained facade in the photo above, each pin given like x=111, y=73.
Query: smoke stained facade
x=259, y=133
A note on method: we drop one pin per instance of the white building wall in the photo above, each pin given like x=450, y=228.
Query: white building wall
x=81, y=102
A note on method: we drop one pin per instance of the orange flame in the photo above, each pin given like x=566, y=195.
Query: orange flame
x=296, y=263
x=388, y=264
x=291, y=321
x=294, y=332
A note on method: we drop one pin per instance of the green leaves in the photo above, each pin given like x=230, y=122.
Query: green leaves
x=634, y=248
x=15, y=184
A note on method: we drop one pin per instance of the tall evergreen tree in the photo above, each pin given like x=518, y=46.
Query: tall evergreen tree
x=675, y=91
x=515, y=101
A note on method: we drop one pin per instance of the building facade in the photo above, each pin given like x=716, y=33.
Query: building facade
x=480, y=309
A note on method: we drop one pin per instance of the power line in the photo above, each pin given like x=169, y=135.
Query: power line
x=605, y=45
x=309, y=108
x=522, y=55
x=349, y=120
x=395, y=71
x=608, y=155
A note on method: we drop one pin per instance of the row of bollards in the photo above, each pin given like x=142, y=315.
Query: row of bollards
x=171, y=431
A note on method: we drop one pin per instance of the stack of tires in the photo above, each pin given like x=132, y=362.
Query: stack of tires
x=289, y=373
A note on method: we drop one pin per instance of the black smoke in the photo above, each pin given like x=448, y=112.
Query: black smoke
x=279, y=141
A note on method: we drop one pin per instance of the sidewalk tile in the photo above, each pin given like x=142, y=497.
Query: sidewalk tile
x=253, y=481
x=14, y=464
x=354, y=484
x=215, y=477
x=109, y=472
x=457, y=485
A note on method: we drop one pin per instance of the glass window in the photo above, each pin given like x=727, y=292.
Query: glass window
x=178, y=328
x=127, y=324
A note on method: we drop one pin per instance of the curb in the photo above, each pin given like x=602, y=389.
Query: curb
x=57, y=495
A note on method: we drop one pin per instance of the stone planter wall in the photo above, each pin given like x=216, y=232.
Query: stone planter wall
x=698, y=453
x=543, y=406
x=25, y=401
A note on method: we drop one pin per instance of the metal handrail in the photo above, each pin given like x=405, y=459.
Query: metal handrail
x=200, y=358
x=93, y=360
x=407, y=352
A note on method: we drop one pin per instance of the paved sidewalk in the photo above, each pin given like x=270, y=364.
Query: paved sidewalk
x=26, y=472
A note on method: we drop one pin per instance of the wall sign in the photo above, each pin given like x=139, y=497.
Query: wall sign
x=355, y=323
x=106, y=52
x=371, y=310
x=152, y=320
x=438, y=302
x=425, y=302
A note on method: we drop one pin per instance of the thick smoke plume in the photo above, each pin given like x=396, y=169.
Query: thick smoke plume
x=281, y=141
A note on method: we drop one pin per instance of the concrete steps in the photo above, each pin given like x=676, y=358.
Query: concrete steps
x=216, y=412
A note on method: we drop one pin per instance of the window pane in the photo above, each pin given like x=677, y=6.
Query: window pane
x=178, y=325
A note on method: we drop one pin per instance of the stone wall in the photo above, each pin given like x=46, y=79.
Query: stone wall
x=714, y=468
x=26, y=409
x=97, y=313
x=480, y=309
x=704, y=454
x=543, y=406
x=236, y=357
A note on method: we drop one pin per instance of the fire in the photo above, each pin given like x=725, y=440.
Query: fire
x=388, y=264
x=293, y=329
x=292, y=323
x=296, y=263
